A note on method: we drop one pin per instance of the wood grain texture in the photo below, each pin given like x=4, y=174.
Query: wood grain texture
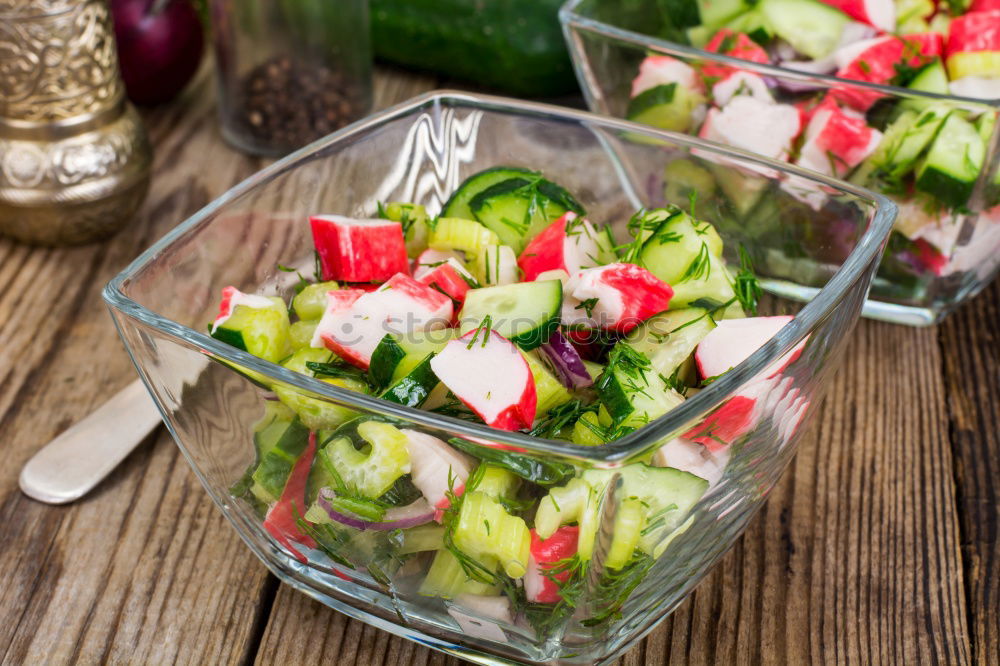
x=971, y=347
x=145, y=569
x=879, y=546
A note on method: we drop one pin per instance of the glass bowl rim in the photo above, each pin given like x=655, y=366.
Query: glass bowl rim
x=570, y=16
x=867, y=252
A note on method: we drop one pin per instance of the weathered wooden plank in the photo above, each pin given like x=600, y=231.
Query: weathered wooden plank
x=854, y=559
x=144, y=570
x=970, y=341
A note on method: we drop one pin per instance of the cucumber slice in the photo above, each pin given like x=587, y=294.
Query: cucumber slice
x=317, y=414
x=811, y=27
x=953, y=163
x=414, y=387
x=280, y=444
x=387, y=356
x=415, y=223
x=396, y=357
x=679, y=249
x=683, y=179
x=550, y=391
x=717, y=12
x=932, y=79
x=668, y=495
x=518, y=208
x=743, y=190
x=300, y=334
x=310, y=303
x=525, y=313
x=458, y=204
x=898, y=152
x=667, y=106
x=586, y=429
x=634, y=396
x=262, y=332
x=668, y=339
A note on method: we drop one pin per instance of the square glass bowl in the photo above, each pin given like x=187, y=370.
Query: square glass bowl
x=212, y=395
x=938, y=256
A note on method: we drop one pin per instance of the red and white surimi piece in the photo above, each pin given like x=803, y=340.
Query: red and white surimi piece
x=689, y=457
x=544, y=554
x=354, y=250
x=878, y=13
x=435, y=467
x=569, y=244
x=735, y=45
x=875, y=61
x=430, y=258
x=741, y=83
x=732, y=341
x=837, y=141
x=658, y=70
x=489, y=375
x=450, y=278
x=619, y=297
x=399, y=306
x=233, y=297
x=758, y=126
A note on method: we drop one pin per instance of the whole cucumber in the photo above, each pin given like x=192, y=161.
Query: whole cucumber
x=514, y=46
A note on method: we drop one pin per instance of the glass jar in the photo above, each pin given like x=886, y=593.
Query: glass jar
x=290, y=71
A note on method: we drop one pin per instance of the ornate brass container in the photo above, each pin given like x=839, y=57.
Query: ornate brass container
x=74, y=159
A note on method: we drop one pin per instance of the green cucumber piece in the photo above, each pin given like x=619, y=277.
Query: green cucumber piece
x=415, y=222
x=677, y=242
x=953, y=163
x=458, y=203
x=310, y=303
x=526, y=313
x=550, y=391
x=634, y=396
x=300, y=334
x=396, y=357
x=515, y=46
x=315, y=413
x=413, y=388
x=668, y=339
x=931, y=79
x=684, y=179
x=262, y=332
x=386, y=357
x=811, y=27
x=667, y=494
x=518, y=208
x=280, y=444
x=667, y=106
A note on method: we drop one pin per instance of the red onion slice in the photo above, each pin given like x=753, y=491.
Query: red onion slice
x=568, y=364
x=396, y=518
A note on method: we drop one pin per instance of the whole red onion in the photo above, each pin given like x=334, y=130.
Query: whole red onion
x=160, y=43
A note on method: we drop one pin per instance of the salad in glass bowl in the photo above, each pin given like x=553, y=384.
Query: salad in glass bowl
x=900, y=97
x=509, y=415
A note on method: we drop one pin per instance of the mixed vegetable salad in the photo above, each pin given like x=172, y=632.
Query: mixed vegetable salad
x=926, y=154
x=513, y=310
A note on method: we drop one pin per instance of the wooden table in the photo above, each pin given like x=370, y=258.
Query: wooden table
x=880, y=545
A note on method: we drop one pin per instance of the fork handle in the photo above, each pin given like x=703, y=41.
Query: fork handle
x=73, y=463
